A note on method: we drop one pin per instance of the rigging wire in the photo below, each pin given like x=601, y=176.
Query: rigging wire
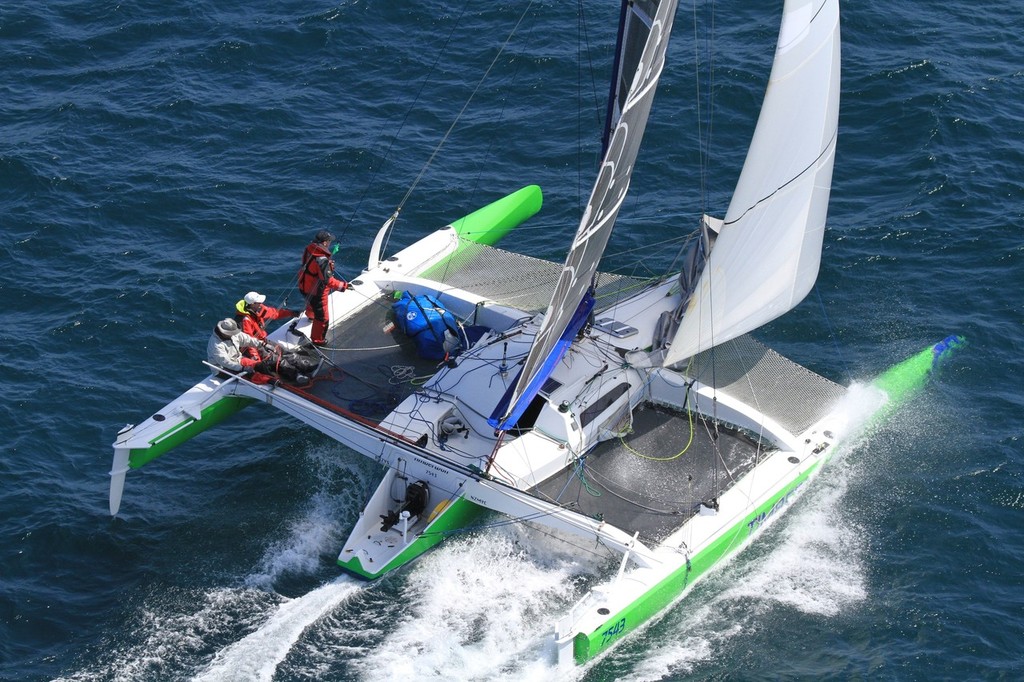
x=499, y=117
x=832, y=335
x=465, y=106
x=405, y=119
x=380, y=134
x=394, y=216
x=578, y=472
x=583, y=51
x=704, y=141
x=704, y=147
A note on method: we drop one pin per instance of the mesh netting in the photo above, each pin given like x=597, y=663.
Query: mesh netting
x=749, y=371
x=515, y=280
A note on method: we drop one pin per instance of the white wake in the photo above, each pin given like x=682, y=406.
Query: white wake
x=257, y=656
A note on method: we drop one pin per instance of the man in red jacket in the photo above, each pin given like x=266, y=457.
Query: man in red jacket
x=317, y=281
x=252, y=315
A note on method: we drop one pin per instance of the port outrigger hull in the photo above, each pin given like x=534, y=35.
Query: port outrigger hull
x=219, y=396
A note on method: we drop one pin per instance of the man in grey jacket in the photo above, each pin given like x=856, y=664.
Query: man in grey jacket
x=228, y=343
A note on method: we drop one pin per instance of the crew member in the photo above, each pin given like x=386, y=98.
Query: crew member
x=317, y=281
x=252, y=315
x=228, y=346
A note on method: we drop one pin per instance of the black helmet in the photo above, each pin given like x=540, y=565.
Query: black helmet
x=323, y=236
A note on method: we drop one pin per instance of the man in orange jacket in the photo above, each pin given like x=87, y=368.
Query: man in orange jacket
x=252, y=315
x=317, y=281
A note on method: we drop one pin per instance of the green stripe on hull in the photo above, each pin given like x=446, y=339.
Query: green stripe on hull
x=903, y=380
x=587, y=646
x=492, y=222
x=211, y=416
x=488, y=225
x=459, y=514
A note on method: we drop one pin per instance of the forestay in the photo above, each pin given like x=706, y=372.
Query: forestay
x=651, y=22
x=766, y=258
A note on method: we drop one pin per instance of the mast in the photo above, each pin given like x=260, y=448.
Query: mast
x=646, y=30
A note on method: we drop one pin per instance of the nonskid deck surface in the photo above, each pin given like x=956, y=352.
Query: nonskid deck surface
x=368, y=369
x=643, y=483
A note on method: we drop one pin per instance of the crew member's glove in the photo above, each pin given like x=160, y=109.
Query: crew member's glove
x=248, y=363
x=344, y=286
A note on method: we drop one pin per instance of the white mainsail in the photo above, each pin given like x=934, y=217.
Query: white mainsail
x=766, y=257
x=570, y=302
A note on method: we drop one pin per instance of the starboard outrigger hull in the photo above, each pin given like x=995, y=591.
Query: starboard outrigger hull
x=585, y=639
x=662, y=574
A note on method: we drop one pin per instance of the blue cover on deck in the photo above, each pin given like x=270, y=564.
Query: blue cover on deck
x=424, y=319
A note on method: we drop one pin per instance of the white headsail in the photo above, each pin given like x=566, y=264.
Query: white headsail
x=766, y=258
x=569, y=303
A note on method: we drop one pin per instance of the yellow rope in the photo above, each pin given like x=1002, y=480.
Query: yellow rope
x=689, y=414
x=662, y=459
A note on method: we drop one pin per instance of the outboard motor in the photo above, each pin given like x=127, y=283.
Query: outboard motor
x=416, y=496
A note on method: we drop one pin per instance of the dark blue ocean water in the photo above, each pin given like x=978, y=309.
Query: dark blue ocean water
x=160, y=159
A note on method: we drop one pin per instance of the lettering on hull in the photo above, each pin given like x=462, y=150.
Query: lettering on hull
x=614, y=631
x=431, y=469
x=754, y=524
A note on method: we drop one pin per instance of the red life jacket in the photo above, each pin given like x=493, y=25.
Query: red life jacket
x=254, y=322
x=317, y=269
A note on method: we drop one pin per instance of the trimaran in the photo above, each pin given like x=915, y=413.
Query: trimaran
x=568, y=409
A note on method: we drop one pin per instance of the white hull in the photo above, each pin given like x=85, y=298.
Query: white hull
x=603, y=377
